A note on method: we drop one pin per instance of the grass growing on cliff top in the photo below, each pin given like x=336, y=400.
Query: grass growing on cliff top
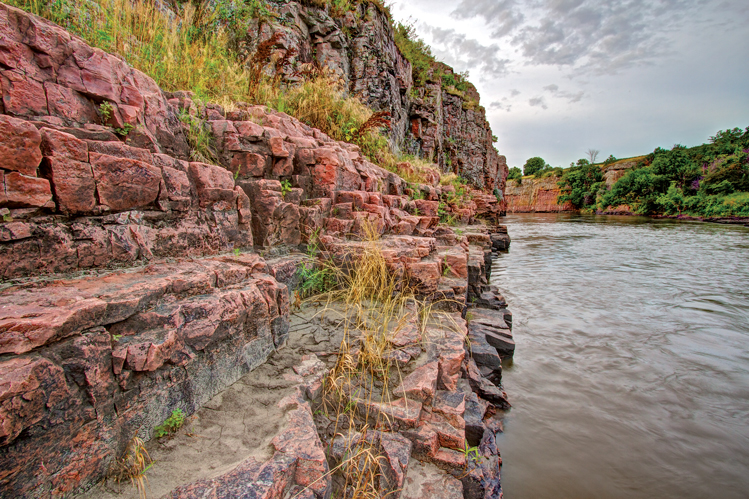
x=197, y=51
x=181, y=54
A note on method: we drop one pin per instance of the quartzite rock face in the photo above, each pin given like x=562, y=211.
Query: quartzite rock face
x=535, y=195
x=360, y=49
x=88, y=363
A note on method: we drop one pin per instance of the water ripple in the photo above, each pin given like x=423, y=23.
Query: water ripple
x=631, y=378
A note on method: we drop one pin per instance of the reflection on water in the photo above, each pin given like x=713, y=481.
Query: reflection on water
x=631, y=375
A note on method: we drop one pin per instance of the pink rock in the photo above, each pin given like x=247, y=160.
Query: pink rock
x=97, y=74
x=124, y=184
x=326, y=156
x=248, y=164
x=408, y=334
x=454, y=263
x=425, y=440
x=404, y=411
x=120, y=150
x=299, y=440
x=451, y=406
x=427, y=208
x=243, y=206
x=249, y=130
x=449, y=436
x=63, y=145
x=420, y=384
x=449, y=459
x=424, y=276
x=338, y=226
x=14, y=231
x=162, y=160
x=177, y=187
x=451, y=351
x=213, y=183
x=357, y=198
x=73, y=181
x=396, y=449
x=22, y=95
x=19, y=146
x=427, y=481
x=344, y=211
x=28, y=388
x=375, y=198
x=29, y=320
x=69, y=104
x=277, y=147
x=22, y=191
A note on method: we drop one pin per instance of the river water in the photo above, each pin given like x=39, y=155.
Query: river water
x=631, y=374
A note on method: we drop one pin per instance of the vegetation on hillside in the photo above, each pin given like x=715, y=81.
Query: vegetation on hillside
x=582, y=182
x=205, y=50
x=709, y=180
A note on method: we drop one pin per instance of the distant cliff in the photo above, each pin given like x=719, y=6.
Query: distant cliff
x=540, y=194
x=534, y=195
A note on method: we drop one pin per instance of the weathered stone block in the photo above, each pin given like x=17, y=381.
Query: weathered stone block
x=22, y=191
x=213, y=183
x=124, y=184
x=19, y=146
x=73, y=182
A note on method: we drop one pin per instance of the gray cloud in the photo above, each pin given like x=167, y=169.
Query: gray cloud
x=538, y=101
x=503, y=15
x=460, y=51
x=501, y=106
x=590, y=35
x=553, y=89
x=514, y=92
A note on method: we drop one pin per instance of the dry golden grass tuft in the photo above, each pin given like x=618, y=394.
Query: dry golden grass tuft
x=132, y=466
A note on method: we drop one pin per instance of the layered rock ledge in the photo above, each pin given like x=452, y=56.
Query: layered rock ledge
x=132, y=281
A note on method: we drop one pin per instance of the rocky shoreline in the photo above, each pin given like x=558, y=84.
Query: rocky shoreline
x=137, y=281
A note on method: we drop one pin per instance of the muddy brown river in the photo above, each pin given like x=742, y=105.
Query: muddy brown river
x=631, y=375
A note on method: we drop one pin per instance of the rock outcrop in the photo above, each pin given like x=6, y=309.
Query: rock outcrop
x=535, y=195
x=360, y=49
x=129, y=288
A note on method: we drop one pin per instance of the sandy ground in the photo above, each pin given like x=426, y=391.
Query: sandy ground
x=240, y=422
x=236, y=424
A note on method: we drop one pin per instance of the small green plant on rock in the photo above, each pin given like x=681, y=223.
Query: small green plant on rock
x=124, y=131
x=105, y=111
x=285, y=187
x=471, y=453
x=171, y=425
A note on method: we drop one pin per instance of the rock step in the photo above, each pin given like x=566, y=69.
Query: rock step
x=98, y=358
x=298, y=461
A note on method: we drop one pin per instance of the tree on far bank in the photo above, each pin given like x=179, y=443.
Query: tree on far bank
x=533, y=165
x=514, y=173
x=592, y=155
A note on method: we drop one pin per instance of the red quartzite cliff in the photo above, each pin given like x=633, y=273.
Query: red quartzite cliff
x=359, y=48
x=129, y=286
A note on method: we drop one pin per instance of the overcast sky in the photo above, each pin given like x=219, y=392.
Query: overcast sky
x=559, y=77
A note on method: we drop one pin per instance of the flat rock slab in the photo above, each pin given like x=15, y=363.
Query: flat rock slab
x=426, y=481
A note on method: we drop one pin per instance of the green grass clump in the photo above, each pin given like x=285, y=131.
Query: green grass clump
x=171, y=425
